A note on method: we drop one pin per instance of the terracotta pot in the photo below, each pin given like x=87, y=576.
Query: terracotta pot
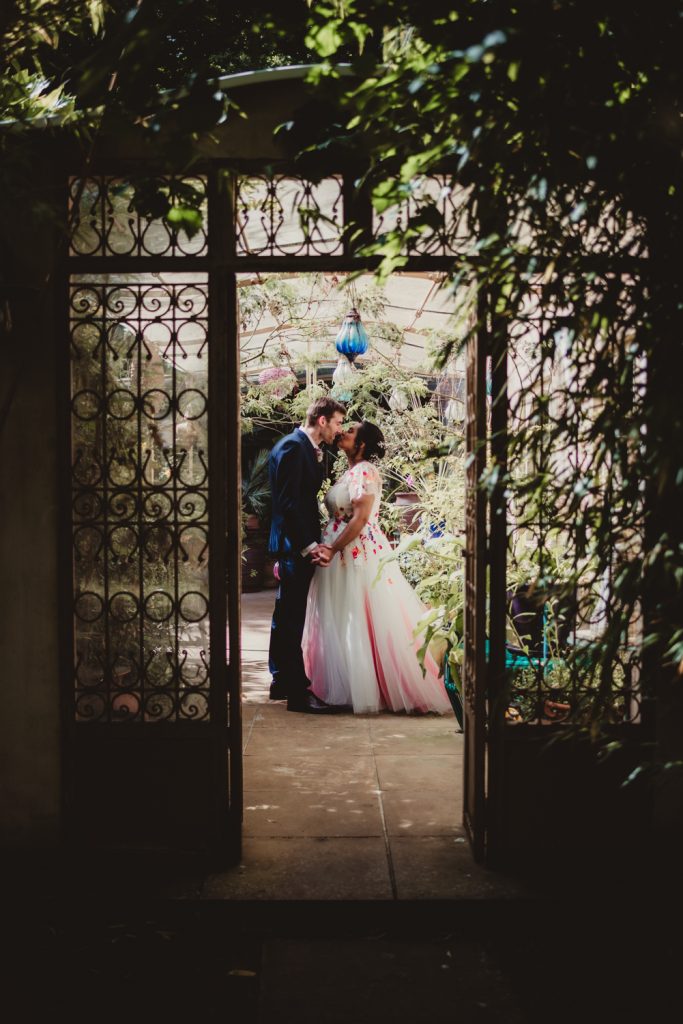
x=407, y=501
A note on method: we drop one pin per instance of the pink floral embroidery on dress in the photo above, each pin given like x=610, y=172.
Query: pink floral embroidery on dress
x=355, y=552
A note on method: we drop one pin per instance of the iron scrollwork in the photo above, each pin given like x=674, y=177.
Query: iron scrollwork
x=105, y=222
x=289, y=216
x=433, y=205
x=139, y=404
x=560, y=573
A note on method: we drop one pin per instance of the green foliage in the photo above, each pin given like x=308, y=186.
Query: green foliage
x=149, y=68
x=559, y=128
x=256, y=486
x=423, y=453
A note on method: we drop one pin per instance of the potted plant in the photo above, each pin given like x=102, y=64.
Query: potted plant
x=542, y=612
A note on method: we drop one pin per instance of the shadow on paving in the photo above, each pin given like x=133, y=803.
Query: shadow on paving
x=355, y=963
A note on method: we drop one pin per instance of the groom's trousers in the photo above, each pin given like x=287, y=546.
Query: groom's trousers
x=285, y=657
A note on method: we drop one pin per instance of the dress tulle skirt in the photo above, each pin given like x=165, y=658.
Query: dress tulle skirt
x=358, y=643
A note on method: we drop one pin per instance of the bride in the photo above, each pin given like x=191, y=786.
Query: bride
x=358, y=641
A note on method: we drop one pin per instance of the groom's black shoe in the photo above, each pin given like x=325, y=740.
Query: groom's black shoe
x=278, y=691
x=310, y=705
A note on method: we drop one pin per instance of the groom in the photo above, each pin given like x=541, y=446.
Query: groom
x=296, y=473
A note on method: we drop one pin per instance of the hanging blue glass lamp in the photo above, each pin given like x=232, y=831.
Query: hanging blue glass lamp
x=352, y=340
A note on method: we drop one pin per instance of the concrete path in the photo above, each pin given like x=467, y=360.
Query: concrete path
x=347, y=807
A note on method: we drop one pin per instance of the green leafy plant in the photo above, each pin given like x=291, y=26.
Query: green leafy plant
x=568, y=230
x=256, y=494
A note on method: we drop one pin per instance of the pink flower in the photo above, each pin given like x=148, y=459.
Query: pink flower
x=355, y=552
x=273, y=374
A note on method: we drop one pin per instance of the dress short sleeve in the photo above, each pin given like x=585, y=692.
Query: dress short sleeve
x=364, y=479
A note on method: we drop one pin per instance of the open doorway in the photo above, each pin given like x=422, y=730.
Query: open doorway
x=382, y=791
x=156, y=465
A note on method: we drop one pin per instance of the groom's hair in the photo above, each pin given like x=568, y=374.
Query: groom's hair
x=323, y=407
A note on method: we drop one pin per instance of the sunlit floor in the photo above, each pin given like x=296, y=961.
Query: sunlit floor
x=346, y=807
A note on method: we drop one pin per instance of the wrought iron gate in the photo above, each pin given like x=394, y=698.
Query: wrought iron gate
x=151, y=694
x=152, y=752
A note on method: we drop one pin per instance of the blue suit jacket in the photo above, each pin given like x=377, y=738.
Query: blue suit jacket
x=295, y=479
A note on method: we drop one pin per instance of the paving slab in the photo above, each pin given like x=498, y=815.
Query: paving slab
x=312, y=795
x=323, y=793
x=255, y=660
x=407, y=736
x=274, y=716
x=311, y=773
x=442, y=868
x=422, y=813
x=249, y=714
x=255, y=683
x=305, y=869
x=388, y=722
x=339, y=742
x=435, y=773
x=353, y=812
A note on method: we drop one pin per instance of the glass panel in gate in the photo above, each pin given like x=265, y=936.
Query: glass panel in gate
x=573, y=652
x=282, y=215
x=433, y=214
x=105, y=221
x=139, y=483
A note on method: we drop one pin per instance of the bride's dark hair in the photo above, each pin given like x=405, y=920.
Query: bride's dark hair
x=372, y=437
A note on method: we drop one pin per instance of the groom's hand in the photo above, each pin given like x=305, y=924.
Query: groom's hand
x=322, y=555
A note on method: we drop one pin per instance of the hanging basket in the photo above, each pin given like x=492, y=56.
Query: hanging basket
x=408, y=501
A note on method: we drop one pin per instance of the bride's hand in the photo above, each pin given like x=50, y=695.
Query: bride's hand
x=322, y=555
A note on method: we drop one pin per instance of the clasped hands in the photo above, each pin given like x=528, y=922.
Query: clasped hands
x=322, y=554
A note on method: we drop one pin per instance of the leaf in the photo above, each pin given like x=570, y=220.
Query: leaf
x=634, y=775
x=513, y=70
x=327, y=39
x=361, y=31
x=185, y=218
x=96, y=12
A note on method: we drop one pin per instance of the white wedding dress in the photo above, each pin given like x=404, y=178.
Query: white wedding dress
x=358, y=642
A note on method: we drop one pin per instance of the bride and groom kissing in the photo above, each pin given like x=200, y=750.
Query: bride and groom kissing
x=343, y=627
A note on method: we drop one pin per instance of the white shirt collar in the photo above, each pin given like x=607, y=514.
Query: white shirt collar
x=316, y=448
